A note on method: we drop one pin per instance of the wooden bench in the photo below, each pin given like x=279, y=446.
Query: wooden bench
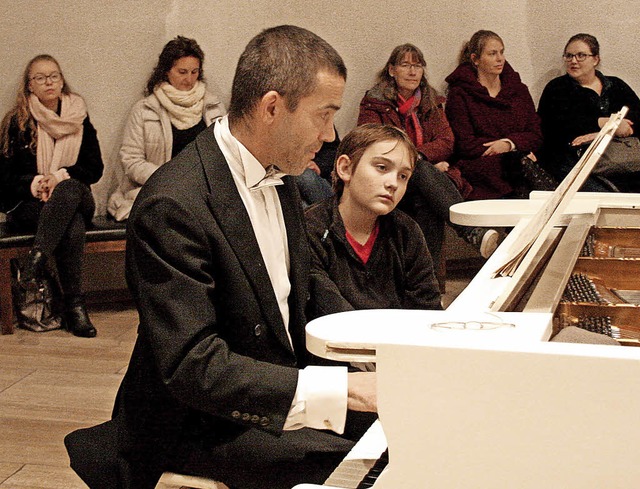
x=105, y=236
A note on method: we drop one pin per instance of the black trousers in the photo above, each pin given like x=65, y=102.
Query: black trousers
x=258, y=460
x=430, y=193
x=60, y=225
x=106, y=457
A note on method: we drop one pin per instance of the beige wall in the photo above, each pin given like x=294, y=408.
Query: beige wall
x=107, y=49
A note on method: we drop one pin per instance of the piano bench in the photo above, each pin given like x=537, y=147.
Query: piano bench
x=104, y=236
x=170, y=480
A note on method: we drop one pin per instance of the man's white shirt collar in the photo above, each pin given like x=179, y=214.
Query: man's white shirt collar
x=243, y=163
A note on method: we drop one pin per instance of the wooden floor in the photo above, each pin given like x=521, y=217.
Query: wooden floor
x=52, y=383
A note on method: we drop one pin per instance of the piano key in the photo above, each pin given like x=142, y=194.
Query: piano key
x=360, y=460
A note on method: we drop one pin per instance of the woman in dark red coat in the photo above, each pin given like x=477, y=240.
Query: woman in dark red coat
x=492, y=116
x=402, y=97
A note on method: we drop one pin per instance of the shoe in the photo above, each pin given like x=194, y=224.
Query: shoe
x=489, y=243
x=485, y=240
x=76, y=320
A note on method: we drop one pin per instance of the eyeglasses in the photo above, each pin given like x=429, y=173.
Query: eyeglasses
x=41, y=79
x=408, y=66
x=580, y=57
x=471, y=325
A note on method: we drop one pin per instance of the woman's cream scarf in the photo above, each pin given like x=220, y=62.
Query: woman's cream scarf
x=59, y=136
x=184, y=107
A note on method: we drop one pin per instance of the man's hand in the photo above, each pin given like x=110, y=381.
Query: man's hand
x=362, y=392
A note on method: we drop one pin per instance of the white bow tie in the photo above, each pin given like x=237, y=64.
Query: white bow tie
x=273, y=176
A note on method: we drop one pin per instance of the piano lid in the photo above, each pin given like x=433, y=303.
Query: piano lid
x=355, y=335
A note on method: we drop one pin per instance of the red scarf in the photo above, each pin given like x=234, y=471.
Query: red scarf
x=407, y=109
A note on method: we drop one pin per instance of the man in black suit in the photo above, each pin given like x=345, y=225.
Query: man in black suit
x=217, y=262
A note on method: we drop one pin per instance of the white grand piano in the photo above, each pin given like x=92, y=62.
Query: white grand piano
x=475, y=396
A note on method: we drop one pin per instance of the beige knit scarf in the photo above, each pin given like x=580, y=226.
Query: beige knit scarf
x=184, y=107
x=59, y=136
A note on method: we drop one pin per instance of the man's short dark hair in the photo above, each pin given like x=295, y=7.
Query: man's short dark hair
x=286, y=59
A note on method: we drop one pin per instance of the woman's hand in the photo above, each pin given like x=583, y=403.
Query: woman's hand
x=46, y=186
x=496, y=147
x=625, y=129
x=443, y=166
x=584, y=139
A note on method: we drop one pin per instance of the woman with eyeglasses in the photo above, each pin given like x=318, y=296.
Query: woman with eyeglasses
x=177, y=107
x=575, y=106
x=49, y=157
x=402, y=97
x=493, y=118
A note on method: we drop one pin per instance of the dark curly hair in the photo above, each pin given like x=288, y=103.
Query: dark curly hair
x=179, y=47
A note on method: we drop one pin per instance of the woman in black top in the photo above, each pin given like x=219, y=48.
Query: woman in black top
x=574, y=107
x=49, y=155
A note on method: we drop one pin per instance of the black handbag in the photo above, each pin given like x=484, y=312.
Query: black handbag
x=535, y=176
x=37, y=307
x=622, y=156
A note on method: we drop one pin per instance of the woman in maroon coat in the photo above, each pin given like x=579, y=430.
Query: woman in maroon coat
x=492, y=116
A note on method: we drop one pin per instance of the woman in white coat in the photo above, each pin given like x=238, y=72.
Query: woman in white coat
x=176, y=109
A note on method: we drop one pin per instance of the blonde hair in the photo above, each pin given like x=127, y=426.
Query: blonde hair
x=476, y=45
x=20, y=112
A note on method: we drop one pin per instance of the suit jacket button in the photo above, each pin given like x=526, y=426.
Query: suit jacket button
x=255, y=419
x=257, y=329
x=235, y=414
x=264, y=421
x=246, y=416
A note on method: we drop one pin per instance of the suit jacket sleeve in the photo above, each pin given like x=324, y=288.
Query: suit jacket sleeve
x=199, y=316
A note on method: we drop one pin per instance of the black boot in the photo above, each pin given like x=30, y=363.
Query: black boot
x=76, y=320
x=33, y=268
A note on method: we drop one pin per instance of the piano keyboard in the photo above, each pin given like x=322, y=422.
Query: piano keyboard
x=364, y=462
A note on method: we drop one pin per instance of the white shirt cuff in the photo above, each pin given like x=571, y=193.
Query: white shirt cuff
x=320, y=401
